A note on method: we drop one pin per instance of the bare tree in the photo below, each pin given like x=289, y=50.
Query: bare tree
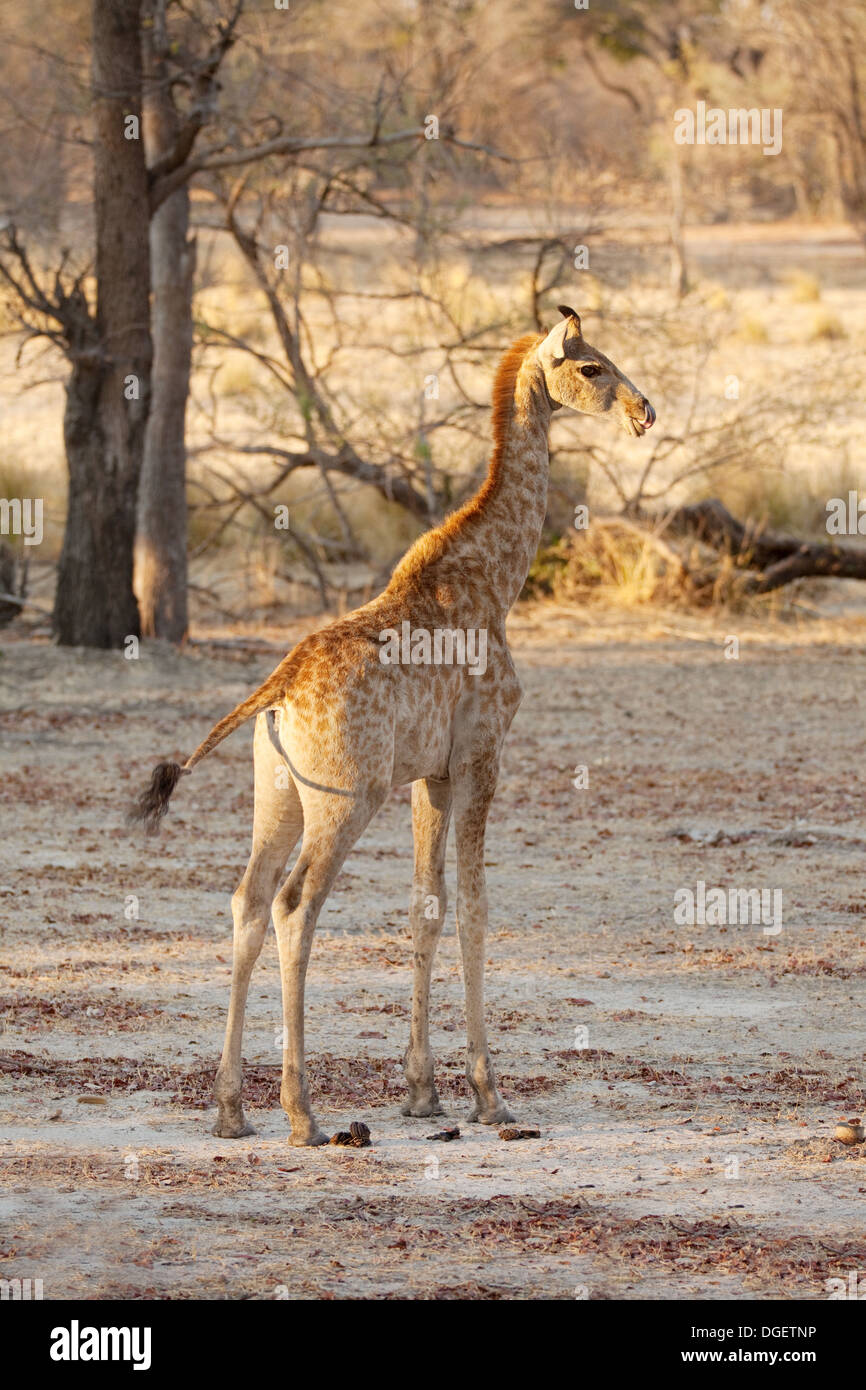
x=683, y=41
x=822, y=50
x=169, y=134
x=108, y=346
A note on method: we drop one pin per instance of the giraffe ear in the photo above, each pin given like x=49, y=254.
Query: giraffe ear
x=552, y=350
x=568, y=313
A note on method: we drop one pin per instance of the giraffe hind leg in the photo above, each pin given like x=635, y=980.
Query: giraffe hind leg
x=277, y=825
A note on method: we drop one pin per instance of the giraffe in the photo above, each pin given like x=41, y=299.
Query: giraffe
x=338, y=725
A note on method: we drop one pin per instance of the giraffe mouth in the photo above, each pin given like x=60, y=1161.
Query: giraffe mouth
x=639, y=424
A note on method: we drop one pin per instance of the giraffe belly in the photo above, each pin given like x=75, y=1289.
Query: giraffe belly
x=419, y=753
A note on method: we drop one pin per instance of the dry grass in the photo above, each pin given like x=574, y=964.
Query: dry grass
x=803, y=287
x=776, y=501
x=826, y=325
x=753, y=329
x=617, y=564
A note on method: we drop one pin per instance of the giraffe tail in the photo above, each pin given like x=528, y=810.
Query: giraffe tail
x=150, y=807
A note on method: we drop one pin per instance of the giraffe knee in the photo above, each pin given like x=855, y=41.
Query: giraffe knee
x=429, y=902
x=251, y=908
x=288, y=900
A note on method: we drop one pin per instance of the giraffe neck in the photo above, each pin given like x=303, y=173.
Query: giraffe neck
x=477, y=561
x=505, y=518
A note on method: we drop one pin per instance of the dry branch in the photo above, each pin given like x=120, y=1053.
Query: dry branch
x=781, y=559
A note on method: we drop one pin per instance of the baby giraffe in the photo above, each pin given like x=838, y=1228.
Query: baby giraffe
x=388, y=695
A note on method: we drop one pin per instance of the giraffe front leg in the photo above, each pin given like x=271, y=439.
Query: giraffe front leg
x=473, y=795
x=431, y=813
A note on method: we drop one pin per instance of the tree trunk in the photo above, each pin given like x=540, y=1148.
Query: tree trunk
x=678, y=271
x=160, y=548
x=780, y=559
x=107, y=395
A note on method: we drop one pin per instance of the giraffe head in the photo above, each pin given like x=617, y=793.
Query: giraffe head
x=580, y=377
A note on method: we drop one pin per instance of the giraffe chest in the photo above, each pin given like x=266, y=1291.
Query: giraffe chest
x=433, y=716
x=423, y=725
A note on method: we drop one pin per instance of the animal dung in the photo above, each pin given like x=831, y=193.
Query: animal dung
x=850, y=1131
x=517, y=1132
x=356, y=1137
x=446, y=1135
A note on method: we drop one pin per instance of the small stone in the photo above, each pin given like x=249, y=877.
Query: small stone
x=850, y=1132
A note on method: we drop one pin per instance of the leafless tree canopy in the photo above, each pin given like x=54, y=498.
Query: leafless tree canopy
x=331, y=220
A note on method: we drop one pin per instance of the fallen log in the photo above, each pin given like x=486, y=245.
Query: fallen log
x=780, y=559
x=13, y=584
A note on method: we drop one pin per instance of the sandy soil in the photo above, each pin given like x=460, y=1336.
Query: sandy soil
x=686, y=1133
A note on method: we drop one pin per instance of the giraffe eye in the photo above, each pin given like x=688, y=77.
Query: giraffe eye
x=590, y=370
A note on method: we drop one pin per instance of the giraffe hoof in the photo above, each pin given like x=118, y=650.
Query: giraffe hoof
x=500, y=1115
x=226, y=1129
x=308, y=1138
x=422, y=1109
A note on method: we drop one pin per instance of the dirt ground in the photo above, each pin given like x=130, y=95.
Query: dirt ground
x=686, y=1080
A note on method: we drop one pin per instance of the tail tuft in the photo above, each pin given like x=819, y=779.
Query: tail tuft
x=152, y=805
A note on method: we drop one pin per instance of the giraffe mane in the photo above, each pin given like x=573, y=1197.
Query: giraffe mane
x=503, y=395
x=433, y=543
